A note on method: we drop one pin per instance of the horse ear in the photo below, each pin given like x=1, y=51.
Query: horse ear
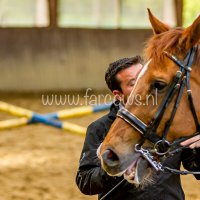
x=157, y=25
x=191, y=35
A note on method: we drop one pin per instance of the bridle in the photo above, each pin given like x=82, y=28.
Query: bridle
x=161, y=146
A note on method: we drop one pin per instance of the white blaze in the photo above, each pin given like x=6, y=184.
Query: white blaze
x=142, y=72
x=144, y=69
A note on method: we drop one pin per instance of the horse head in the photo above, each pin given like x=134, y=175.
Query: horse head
x=118, y=152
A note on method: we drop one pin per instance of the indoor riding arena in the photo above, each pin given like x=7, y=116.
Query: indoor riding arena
x=53, y=58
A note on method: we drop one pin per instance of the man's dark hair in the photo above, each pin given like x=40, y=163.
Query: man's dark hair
x=115, y=67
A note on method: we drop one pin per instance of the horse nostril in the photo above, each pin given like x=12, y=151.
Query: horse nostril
x=110, y=158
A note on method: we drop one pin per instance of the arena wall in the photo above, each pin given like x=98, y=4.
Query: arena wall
x=43, y=59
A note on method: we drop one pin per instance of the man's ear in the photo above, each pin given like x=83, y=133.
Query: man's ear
x=157, y=26
x=118, y=95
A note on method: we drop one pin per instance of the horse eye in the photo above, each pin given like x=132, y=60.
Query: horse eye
x=159, y=85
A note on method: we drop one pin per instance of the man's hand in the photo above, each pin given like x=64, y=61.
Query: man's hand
x=192, y=140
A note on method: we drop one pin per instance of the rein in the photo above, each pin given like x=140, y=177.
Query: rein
x=162, y=147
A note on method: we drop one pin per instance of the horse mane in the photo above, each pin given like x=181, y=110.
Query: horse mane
x=197, y=61
x=167, y=41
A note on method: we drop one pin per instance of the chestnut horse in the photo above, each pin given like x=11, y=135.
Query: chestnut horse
x=146, y=131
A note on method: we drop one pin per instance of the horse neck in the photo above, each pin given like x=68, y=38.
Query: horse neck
x=195, y=81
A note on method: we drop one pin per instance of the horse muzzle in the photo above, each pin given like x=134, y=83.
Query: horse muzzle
x=114, y=163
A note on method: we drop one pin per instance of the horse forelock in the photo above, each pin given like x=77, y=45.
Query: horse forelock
x=167, y=41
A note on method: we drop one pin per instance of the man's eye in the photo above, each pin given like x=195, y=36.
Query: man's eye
x=159, y=85
x=132, y=83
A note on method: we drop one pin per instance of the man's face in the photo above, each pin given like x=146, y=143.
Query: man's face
x=127, y=78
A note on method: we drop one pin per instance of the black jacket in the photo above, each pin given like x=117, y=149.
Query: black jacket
x=92, y=179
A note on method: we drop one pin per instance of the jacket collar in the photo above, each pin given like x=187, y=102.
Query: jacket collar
x=114, y=109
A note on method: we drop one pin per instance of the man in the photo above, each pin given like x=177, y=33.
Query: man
x=91, y=178
x=193, y=142
x=192, y=155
